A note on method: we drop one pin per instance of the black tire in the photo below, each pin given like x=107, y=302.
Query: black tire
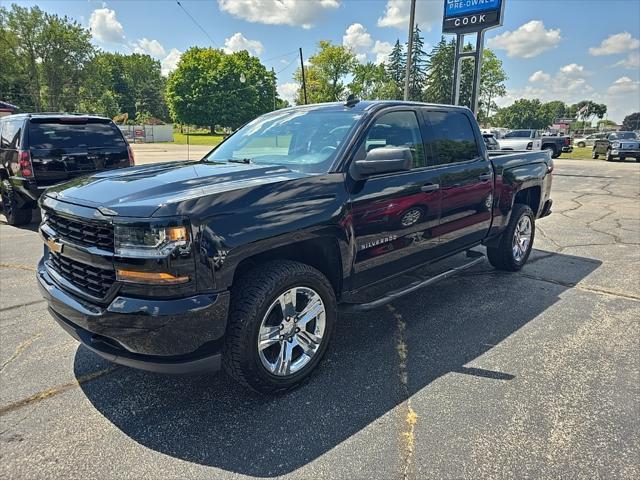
x=502, y=257
x=582, y=144
x=594, y=155
x=553, y=150
x=622, y=159
x=609, y=157
x=15, y=214
x=251, y=297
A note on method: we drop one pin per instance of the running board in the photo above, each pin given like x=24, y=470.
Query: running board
x=478, y=257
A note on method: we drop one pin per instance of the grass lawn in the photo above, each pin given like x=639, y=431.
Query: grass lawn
x=578, y=154
x=196, y=139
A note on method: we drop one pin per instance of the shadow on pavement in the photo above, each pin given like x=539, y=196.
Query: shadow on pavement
x=210, y=420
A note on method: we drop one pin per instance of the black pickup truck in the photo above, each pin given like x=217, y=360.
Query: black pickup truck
x=244, y=258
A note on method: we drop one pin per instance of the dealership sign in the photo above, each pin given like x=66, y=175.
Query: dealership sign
x=467, y=16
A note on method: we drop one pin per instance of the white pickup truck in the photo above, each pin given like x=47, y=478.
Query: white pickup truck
x=521, y=140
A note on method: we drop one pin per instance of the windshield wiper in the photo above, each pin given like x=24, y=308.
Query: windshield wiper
x=239, y=160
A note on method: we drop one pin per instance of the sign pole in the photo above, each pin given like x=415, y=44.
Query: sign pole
x=407, y=74
x=457, y=67
x=477, y=73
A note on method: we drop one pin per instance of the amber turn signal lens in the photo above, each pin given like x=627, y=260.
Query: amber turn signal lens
x=153, y=278
x=177, y=234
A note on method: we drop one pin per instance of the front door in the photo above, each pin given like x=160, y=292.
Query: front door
x=394, y=215
x=466, y=178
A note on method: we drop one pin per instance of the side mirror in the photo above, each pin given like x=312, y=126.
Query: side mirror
x=382, y=160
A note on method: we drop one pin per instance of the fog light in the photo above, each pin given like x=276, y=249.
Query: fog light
x=149, y=278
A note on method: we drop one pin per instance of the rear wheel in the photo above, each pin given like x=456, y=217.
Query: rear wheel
x=582, y=144
x=594, y=155
x=15, y=214
x=516, y=241
x=281, y=319
x=553, y=150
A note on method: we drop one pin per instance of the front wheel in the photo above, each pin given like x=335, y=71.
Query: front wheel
x=594, y=155
x=609, y=157
x=582, y=144
x=281, y=319
x=516, y=242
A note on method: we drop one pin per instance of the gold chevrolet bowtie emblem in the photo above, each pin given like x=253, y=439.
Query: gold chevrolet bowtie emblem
x=55, y=245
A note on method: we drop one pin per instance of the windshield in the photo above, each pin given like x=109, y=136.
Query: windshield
x=624, y=136
x=304, y=139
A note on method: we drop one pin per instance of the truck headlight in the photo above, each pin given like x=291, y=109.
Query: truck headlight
x=151, y=240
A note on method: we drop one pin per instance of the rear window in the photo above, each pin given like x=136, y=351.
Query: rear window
x=61, y=135
x=452, y=137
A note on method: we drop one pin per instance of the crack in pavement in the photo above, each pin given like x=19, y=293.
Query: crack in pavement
x=20, y=349
x=411, y=417
x=17, y=266
x=53, y=391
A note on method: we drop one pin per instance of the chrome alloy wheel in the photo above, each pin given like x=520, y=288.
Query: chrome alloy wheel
x=411, y=217
x=291, y=331
x=521, y=238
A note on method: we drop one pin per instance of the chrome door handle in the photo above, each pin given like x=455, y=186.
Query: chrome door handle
x=431, y=187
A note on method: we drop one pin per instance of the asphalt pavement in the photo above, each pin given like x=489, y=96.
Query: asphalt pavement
x=485, y=375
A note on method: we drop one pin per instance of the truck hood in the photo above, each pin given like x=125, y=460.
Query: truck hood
x=140, y=191
x=626, y=144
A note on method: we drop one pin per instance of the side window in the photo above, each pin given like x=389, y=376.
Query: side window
x=398, y=129
x=451, y=138
x=3, y=141
x=11, y=134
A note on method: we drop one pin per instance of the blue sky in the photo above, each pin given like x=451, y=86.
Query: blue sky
x=567, y=50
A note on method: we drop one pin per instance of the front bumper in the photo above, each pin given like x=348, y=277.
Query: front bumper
x=182, y=335
x=626, y=153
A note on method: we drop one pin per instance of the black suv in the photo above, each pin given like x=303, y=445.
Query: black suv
x=41, y=150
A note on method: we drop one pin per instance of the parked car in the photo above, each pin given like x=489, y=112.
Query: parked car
x=41, y=150
x=490, y=141
x=521, y=140
x=589, y=140
x=557, y=145
x=618, y=146
x=244, y=258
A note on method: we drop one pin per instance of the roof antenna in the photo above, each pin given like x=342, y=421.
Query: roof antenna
x=352, y=101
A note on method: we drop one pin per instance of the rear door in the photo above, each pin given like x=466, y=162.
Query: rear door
x=465, y=177
x=67, y=147
x=394, y=214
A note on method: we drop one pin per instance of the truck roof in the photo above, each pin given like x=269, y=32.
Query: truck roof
x=53, y=115
x=367, y=105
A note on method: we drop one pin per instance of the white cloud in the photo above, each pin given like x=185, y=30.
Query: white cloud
x=618, y=43
x=572, y=69
x=288, y=91
x=237, y=42
x=382, y=51
x=105, y=27
x=169, y=63
x=624, y=85
x=396, y=14
x=149, y=47
x=358, y=40
x=279, y=12
x=539, y=77
x=528, y=41
x=632, y=62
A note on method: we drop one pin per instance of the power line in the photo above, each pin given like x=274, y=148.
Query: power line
x=196, y=23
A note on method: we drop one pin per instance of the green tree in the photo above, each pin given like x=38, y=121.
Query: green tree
x=631, y=122
x=439, y=82
x=492, y=80
x=207, y=89
x=396, y=69
x=326, y=73
x=525, y=113
x=53, y=52
x=419, y=63
x=372, y=82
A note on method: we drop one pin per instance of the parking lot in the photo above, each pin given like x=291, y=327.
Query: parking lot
x=534, y=374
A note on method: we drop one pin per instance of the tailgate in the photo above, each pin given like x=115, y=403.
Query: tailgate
x=64, y=149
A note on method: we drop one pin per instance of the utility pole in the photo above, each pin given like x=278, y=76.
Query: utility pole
x=304, y=82
x=273, y=75
x=412, y=15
